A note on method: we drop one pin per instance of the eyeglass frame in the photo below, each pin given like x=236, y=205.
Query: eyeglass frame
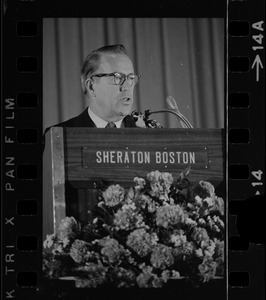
x=124, y=77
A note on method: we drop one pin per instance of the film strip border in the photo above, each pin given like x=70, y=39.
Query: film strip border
x=22, y=147
x=21, y=152
x=246, y=145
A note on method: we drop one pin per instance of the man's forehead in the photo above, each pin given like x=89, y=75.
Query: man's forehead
x=116, y=63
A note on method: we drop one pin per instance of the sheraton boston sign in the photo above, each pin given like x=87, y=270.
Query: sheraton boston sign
x=119, y=155
x=146, y=157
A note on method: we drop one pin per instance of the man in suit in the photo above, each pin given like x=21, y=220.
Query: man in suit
x=108, y=81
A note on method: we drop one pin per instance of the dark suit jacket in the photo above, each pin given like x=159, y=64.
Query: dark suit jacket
x=84, y=120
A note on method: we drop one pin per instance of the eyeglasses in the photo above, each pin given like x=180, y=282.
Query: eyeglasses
x=120, y=78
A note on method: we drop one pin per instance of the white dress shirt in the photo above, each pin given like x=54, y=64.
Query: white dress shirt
x=99, y=122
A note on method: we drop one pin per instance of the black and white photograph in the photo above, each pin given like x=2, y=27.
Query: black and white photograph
x=134, y=152
x=133, y=149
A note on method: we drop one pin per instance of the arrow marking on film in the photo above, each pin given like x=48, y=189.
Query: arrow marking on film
x=257, y=63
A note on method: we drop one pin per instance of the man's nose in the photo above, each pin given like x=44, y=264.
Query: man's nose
x=126, y=86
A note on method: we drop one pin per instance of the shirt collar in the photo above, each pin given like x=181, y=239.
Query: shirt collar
x=99, y=122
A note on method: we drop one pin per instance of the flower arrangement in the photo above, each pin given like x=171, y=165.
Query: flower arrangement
x=158, y=230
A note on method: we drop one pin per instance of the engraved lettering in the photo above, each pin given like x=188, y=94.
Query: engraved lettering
x=126, y=159
x=105, y=157
x=172, y=157
x=185, y=157
x=112, y=160
x=178, y=157
x=99, y=157
x=192, y=158
x=157, y=157
x=133, y=156
x=119, y=157
x=141, y=157
x=147, y=157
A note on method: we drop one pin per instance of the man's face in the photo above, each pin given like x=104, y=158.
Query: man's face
x=112, y=102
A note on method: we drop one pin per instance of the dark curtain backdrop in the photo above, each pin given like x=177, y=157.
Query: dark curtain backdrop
x=181, y=57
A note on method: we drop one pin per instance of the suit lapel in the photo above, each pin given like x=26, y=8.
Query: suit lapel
x=84, y=120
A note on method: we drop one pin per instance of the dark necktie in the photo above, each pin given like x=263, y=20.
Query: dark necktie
x=110, y=125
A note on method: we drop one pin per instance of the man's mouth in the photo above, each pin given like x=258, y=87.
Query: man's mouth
x=126, y=99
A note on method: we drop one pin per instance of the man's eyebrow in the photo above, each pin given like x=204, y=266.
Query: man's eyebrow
x=124, y=73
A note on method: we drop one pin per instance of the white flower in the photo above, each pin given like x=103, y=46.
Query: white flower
x=202, y=221
x=198, y=200
x=152, y=207
x=65, y=242
x=140, y=182
x=58, y=249
x=113, y=195
x=209, y=201
x=221, y=223
x=199, y=252
x=209, y=250
x=190, y=222
x=171, y=201
x=175, y=274
x=207, y=186
x=178, y=239
x=49, y=241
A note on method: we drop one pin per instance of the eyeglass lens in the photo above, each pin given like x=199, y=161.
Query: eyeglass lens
x=120, y=78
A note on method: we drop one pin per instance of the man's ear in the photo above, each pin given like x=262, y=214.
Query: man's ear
x=89, y=85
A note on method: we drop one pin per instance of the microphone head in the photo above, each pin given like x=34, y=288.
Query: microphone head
x=172, y=103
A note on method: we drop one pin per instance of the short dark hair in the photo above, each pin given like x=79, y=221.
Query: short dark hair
x=92, y=61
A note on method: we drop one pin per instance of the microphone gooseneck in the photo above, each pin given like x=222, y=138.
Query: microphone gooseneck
x=175, y=110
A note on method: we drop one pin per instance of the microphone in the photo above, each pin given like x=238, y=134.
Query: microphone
x=172, y=103
x=175, y=110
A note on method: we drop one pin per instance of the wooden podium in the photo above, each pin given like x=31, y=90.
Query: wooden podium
x=76, y=159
